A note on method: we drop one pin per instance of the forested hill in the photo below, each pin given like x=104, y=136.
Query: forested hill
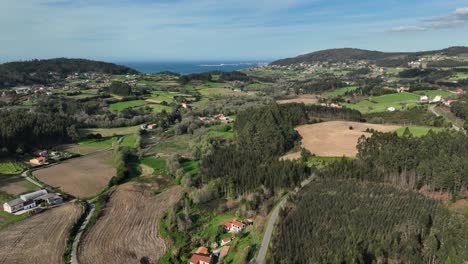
x=46, y=71
x=350, y=54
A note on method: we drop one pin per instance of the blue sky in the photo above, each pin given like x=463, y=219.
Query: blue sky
x=177, y=30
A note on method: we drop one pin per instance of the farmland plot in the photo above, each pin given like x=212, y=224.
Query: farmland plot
x=128, y=230
x=335, y=138
x=41, y=238
x=82, y=177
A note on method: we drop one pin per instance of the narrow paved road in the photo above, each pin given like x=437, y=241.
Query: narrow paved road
x=25, y=175
x=269, y=231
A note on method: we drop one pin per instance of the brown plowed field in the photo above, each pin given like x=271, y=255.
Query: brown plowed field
x=305, y=98
x=82, y=177
x=41, y=238
x=129, y=228
x=335, y=139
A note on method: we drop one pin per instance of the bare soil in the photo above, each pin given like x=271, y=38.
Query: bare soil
x=128, y=230
x=305, y=98
x=41, y=238
x=79, y=149
x=335, y=138
x=81, y=177
x=15, y=185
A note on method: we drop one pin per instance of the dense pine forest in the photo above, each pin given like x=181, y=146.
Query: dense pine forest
x=262, y=135
x=438, y=161
x=351, y=222
x=21, y=130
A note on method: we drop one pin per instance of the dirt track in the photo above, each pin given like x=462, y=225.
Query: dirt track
x=41, y=238
x=82, y=177
x=334, y=138
x=129, y=228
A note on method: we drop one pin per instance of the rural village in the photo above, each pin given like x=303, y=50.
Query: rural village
x=114, y=166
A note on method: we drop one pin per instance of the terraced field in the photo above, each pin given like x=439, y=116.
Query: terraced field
x=128, y=230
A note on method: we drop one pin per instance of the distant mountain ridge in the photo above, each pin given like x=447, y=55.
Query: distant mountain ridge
x=46, y=71
x=351, y=54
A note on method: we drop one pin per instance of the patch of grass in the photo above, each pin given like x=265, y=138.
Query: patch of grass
x=109, y=132
x=159, y=108
x=130, y=141
x=159, y=165
x=400, y=101
x=240, y=247
x=127, y=104
x=433, y=93
x=165, y=96
x=459, y=76
x=418, y=131
x=210, y=227
x=191, y=167
x=10, y=167
x=8, y=219
x=105, y=142
x=341, y=91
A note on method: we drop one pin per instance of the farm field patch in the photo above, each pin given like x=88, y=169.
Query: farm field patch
x=159, y=108
x=418, y=131
x=10, y=167
x=433, y=93
x=100, y=143
x=335, y=138
x=128, y=230
x=305, y=99
x=40, y=238
x=129, y=141
x=109, y=132
x=341, y=91
x=82, y=177
x=15, y=185
x=400, y=101
x=127, y=104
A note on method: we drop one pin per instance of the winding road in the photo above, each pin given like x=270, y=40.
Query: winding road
x=269, y=231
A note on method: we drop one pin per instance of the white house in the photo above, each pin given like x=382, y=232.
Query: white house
x=391, y=109
x=437, y=99
x=424, y=98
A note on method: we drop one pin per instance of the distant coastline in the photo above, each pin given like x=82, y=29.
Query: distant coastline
x=191, y=67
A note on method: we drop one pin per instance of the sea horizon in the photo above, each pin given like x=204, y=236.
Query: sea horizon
x=189, y=67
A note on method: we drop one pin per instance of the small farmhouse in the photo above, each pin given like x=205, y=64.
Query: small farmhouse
x=424, y=98
x=200, y=259
x=234, y=226
x=38, y=161
x=152, y=126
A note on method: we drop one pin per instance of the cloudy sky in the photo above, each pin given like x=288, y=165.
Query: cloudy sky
x=178, y=30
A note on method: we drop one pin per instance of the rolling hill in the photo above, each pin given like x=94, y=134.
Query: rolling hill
x=350, y=54
x=47, y=71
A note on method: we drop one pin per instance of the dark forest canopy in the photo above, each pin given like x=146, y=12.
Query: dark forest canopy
x=348, y=54
x=352, y=222
x=262, y=135
x=437, y=161
x=52, y=70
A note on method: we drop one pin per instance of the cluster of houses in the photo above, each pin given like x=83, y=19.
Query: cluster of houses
x=221, y=117
x=203, y=256
x=42, y=157
x=32, y=200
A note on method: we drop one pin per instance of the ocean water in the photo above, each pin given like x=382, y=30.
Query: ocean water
x=189, y=67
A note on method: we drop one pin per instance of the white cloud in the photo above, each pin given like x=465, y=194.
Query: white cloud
x=458, y=18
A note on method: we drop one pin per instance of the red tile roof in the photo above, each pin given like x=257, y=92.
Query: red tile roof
x=197, y=258
x=227, y=239
x=202, y=250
